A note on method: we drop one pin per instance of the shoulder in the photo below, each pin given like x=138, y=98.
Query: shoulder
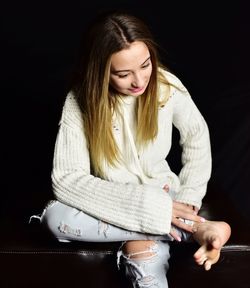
x=71, y=112
x=173, y=81
x=171, y=87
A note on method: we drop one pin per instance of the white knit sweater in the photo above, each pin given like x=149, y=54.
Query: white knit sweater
x=131, y=196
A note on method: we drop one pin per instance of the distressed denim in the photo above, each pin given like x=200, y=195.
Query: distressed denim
x=148, y=271
x=70, y=224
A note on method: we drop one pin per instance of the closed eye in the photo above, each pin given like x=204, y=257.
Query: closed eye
x=122, y=76
x=146, y=65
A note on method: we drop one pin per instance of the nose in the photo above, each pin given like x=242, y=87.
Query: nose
x=137, y=81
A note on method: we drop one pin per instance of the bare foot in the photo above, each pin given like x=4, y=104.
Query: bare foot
x=211, y=235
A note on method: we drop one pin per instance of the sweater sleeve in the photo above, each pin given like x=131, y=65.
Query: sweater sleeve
x=141, y=208
x=196, y=150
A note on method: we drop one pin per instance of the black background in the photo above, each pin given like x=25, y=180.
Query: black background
x=204, y=43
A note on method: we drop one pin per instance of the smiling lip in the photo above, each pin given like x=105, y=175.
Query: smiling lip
x=136, y=90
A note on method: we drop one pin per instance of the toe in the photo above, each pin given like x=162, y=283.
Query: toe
x=200, y=253
x=202, y=260
x=207, y=265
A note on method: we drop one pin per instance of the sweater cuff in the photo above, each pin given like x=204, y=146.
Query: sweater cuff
x=189, y=196
x=158, y=203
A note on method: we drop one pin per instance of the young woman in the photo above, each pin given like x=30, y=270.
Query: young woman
x=110, y=176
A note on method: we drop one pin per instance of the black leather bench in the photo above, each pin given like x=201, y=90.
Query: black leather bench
x=30, y=257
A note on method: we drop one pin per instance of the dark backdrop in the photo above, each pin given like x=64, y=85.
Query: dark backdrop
x=205, y=44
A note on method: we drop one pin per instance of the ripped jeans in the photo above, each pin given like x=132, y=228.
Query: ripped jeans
x=70, y=224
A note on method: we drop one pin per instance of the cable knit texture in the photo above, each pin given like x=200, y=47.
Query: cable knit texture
x=131, y=195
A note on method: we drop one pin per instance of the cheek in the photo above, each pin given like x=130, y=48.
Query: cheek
x=145, y=75
x=117, y=84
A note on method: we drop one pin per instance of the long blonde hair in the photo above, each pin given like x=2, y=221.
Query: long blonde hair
x=109, y=34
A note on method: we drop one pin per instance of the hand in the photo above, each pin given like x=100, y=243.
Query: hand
x=183, y=211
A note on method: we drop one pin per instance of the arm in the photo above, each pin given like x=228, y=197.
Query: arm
x=141, y=208
x=196, y=151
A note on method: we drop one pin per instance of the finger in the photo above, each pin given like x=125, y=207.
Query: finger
x=175, y=235
x=183, y=207
x=187, y=216
x=181, y=210
x=194, y=218
x=180, y=224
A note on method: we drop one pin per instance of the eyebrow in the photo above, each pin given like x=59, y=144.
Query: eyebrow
x=117, y=71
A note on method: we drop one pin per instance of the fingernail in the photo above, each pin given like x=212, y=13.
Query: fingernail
x=179, y=239
x=166, y=188
x=194, y=229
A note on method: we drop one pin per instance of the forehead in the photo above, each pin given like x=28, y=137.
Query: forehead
x=130, y=57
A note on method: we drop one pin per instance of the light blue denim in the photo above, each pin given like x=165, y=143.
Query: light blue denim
x=70, y=224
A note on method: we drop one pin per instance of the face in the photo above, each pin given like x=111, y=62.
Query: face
x=131, y=69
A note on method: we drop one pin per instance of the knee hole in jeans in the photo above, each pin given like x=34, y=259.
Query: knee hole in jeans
x=142, y=250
